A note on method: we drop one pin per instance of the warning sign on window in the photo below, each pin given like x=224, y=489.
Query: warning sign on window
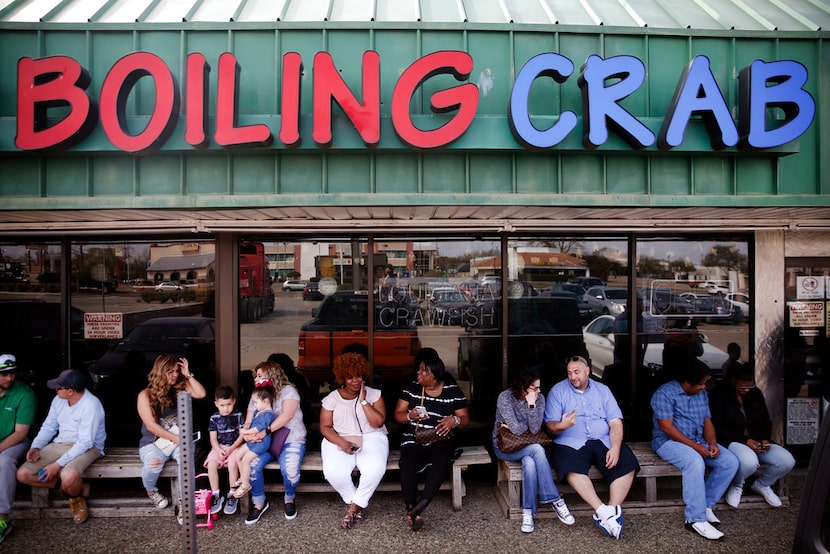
x=103, y=325
x=802, y=420
x=806, y=314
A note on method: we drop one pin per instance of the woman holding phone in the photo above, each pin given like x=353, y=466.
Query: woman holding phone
x=742, y=422
x=435, y=403
x=354, y=436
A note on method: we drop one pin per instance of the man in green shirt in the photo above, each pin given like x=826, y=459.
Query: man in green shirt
x=17, y=414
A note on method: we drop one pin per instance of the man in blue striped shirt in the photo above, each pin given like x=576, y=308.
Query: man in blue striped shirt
x=684, y=436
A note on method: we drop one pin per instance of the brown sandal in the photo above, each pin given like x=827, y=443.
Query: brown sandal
x=359, y=515
x=349, y=516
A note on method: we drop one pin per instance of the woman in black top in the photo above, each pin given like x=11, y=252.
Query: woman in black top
x=436, y=402
x=741, y=420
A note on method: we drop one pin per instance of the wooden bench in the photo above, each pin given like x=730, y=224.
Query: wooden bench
x=312, y=461
x=645, y=495
x=119, y=463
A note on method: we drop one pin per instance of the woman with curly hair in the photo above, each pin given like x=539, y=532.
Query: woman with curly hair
x=159, y=430
x=354, y=436
x=286, y=408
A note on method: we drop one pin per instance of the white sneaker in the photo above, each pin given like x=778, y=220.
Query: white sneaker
x=768, y=494
x=562, y=511
x=158, y=499
x=705, y=530
x=733, y=496
x=527, y=521
x=612, y=525
x=711, y=517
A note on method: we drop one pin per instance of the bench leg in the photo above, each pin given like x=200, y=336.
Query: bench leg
x=40, y=497
x=651, y=490
x=459, y=489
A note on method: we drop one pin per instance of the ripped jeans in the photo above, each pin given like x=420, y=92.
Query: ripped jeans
x=290, y=459
x=150, y=472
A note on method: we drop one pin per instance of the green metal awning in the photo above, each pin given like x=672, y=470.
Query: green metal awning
x=739, y=15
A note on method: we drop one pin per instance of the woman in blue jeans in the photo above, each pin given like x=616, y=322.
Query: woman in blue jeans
x=742, y=422
x=522, y=408
x=287, y=413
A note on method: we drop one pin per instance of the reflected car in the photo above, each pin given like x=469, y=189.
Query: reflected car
x=715, y=287
x=740, y=300
x=447, y=306
x=121, y=373
x=600, y=340
x=715, y=309
x=312, y=291
x=294, y=285
x=578, y=292
x=588, y=282
x=606, y=300
x=168, y=286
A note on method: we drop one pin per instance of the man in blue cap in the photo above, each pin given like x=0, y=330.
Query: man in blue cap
x=70, y=439
x=17, y=415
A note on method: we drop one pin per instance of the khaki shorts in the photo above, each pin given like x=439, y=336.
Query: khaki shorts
x=54, y=450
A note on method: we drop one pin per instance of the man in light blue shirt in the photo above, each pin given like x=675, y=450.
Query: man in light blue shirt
x=70, y=439
x=586, y=423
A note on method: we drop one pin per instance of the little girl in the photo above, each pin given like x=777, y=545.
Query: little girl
x=239, y=468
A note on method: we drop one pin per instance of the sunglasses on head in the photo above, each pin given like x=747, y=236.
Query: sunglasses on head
x=577, y=359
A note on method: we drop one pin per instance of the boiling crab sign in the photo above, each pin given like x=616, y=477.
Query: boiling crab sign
x=57, y=110
x=806, y=314
x=103, y=325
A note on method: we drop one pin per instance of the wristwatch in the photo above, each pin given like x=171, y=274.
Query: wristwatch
x=457, y=420
x=363, y=402
x=267, y=430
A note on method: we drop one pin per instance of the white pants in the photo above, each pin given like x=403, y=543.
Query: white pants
x=370, y=460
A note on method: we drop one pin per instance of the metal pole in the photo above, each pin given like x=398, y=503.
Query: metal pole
x=187, y=471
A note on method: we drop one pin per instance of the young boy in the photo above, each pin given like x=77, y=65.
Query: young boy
x=263, y=399
x=224, y=429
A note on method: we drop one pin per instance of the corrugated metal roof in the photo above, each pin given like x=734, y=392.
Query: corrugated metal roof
x=742, y=15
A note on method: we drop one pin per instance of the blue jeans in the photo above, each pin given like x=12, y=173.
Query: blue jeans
x=290, y=459
x=536, y=474
x=150, y=474
x=779, y=463
x=700, y=493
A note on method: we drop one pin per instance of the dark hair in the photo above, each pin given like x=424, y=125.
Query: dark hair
x=285, y=361
x=266, y=392
x=744, y=372
x=734, y=347
x=432, y=361
x=224, y=392
x=691, y=370
x=522, y=382
x=356, y=348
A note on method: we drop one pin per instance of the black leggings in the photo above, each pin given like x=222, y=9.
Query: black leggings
x=413, y=458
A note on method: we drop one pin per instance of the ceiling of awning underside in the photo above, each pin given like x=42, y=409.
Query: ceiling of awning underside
x=408, y=219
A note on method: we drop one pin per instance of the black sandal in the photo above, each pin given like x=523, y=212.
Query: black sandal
x=413, y=516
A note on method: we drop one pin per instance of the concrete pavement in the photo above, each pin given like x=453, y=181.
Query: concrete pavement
x=479, y=527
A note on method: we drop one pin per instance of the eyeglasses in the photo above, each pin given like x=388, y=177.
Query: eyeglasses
x=746, y=387
x=537, y=389
x=577, y=359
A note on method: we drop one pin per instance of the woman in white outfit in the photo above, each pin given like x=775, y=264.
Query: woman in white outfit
x=354, y=436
